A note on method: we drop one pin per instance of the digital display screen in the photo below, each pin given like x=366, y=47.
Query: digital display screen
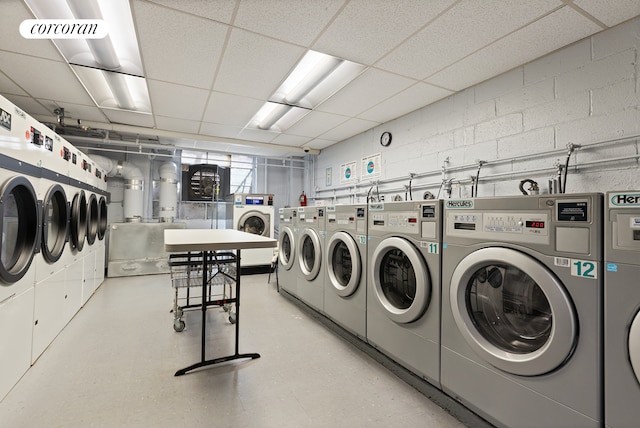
x=254, y=201
x=534, y=224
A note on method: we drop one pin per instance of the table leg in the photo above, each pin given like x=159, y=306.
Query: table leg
x=237, y=355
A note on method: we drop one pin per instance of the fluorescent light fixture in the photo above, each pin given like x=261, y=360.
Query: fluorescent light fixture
x=114, y=59
x=314, y=79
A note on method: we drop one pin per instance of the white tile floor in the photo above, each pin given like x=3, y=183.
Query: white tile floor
x=113, y=366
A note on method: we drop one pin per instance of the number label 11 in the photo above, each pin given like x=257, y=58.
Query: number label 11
x=584, y=269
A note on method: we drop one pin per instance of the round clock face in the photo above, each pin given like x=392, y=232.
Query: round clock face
x=385, y=139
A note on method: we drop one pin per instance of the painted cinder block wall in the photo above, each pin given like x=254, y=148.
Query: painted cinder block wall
x=585, y=94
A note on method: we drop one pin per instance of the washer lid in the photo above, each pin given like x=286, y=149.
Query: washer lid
x=513, y=311
x=634, y=346
x=344, y=264
x=401, y=280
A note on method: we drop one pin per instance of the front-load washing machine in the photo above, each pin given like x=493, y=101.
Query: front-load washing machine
x=522, y=308
x=345, y=290
x=622, y=309
x=403, y=284
x=254, y=213
x=287, y=239
x=309, y=256
x=50, y=295
x=20, y=215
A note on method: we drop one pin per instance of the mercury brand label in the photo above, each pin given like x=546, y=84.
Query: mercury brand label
x=376, y=207
x=459, y=203
x=5, y=119
x=635, y=222
x=624, y=200
x=331, y=208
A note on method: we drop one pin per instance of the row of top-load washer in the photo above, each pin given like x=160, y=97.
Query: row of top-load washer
x=53, y=220
x=523, y=308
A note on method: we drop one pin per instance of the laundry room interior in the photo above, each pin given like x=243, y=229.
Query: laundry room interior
x=435, y=223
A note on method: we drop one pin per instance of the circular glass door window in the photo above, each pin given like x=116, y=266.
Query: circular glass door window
x=308, y=253
x=508, y=308
x=18, y=228
x=254, y=225
x=516, y=315
x=342, y=263
x=55, y=224
x=398, y=279
x=287, y=248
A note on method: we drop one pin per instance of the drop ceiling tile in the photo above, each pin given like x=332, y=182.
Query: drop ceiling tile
x=368, y=29
x=231, y=109
x=319, y=144
x=462, y=30
x=168, y=99
x=257, y=135
x=28, y=104
x=43, y=78
x=254, y=66
x=9, y=87
x=316, y=123
x=520, y=47
x=304, y=19
x=610, y=12
x=177, y=125
x=15, y=12
x=348, y=129
x=222, y=11
x=404, y=102
x=367, y=90
x=129, y=118
x=74, y=112
x=177, y=47
x=290, y=140
x=216, y=130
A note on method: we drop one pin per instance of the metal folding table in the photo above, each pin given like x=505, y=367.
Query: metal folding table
x=208, y=241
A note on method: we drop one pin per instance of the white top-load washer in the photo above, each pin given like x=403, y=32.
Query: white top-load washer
x=522, y=308
x=254, y=213
x=403, y=284
x=622, y=309
x=345, y=291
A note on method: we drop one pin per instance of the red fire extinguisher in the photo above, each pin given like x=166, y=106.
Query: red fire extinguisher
x=303, y=199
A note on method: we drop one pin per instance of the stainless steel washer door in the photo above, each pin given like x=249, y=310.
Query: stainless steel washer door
x=55, y=224
x=344, y=264
x=309, y=254
x=19, y=228
x=513, y=311
x=92, y=219
x=102, y=217
x=78, y=225
x=634, y=346
x=287, y=245
x=400, y=279
x=255, y=222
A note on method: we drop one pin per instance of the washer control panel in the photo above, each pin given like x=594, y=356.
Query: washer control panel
x=507, y=226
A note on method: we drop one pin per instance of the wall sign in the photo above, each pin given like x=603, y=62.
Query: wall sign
x=371, y=166
x=348, y=172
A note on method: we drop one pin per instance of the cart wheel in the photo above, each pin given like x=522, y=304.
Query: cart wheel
x=232, y=317
x=178, y=325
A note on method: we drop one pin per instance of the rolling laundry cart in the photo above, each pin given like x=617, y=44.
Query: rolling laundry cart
x=187, y=272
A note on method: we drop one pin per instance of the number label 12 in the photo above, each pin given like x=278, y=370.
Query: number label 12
x=584, y=269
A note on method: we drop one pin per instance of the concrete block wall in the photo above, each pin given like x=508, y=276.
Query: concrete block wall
x=585, y=94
